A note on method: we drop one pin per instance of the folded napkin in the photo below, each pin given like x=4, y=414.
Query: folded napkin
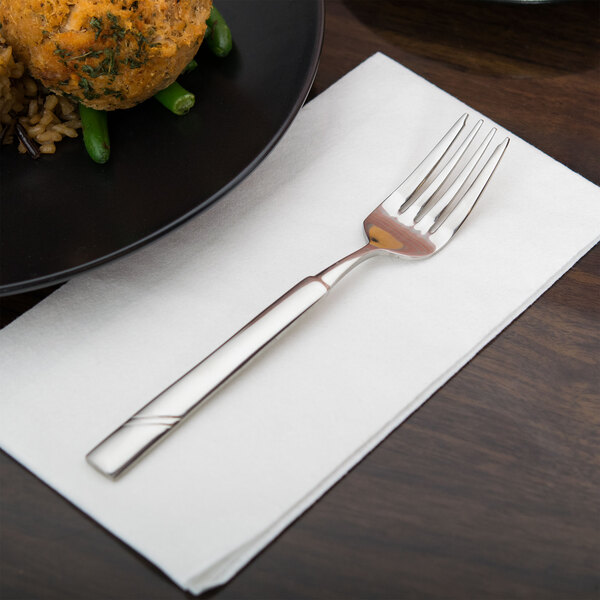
x=278, y=436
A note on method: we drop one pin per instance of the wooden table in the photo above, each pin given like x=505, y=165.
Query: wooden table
x=492, y=489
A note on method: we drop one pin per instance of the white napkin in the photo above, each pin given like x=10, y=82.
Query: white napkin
x=277, y=437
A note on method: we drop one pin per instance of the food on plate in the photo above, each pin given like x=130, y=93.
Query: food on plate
x=34, y=117
x=176, y=98
x=95, y=133
x=100, y=55
x=218, y=36
x=103, y=53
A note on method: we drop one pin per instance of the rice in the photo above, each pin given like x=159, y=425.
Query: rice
x=45, y=117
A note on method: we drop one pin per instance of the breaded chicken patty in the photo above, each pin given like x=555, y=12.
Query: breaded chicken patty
x=107, y=54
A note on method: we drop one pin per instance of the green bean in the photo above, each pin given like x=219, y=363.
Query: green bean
x=218, y=35
x=177, y=99
x=95, y=133
x=190, y=67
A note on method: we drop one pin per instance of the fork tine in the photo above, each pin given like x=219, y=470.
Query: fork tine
x=444, y=230
x=423, y=198
x=416, y=178
x=428, y=218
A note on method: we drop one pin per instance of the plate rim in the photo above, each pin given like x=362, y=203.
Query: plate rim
x=58, y=277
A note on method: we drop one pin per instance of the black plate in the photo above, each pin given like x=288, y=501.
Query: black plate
x=63, y=214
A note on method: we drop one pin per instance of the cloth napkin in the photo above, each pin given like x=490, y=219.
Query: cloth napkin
x=360, y=362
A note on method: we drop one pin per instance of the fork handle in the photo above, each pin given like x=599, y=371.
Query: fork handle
x=161, y=415
x=122, y=448
x=134, y=438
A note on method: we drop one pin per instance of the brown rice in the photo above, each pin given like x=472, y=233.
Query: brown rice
x=46, y=117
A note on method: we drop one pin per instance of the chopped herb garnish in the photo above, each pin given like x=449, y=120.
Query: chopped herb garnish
x=71, y=97
x=111, y=92
x=96, y=23
x=88, y=89
x=92, y=71
x=62, y=52
x=128, y=47
x=91, y=53
x=118, y=30
x=132, y=63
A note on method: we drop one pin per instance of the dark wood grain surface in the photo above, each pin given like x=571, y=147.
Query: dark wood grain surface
x=492, y=489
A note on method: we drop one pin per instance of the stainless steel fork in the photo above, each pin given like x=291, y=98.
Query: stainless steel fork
x=415, y=221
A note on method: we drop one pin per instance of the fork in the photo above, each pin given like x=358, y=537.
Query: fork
x=414, y=222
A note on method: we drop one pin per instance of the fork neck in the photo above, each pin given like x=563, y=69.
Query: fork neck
x=331, y=275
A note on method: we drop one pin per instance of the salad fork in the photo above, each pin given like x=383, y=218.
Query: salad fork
x=414, y=222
